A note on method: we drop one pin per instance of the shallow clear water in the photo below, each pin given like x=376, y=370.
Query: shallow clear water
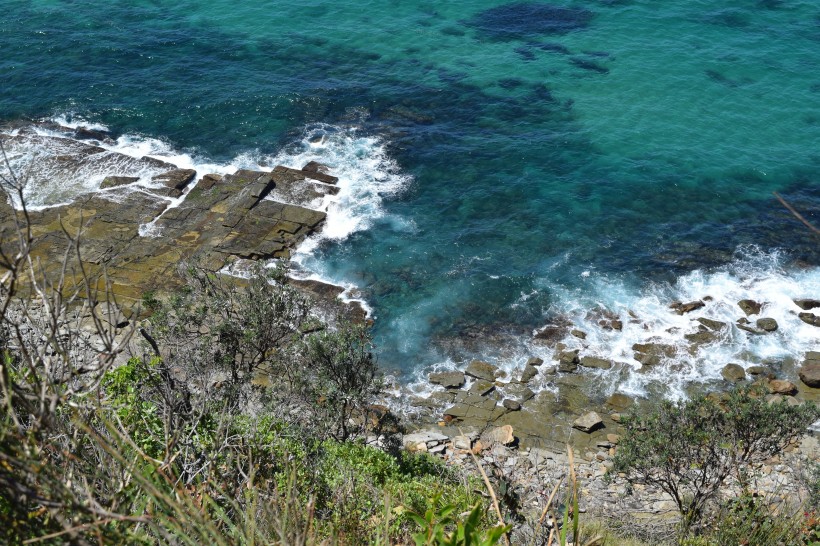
x=503, y=162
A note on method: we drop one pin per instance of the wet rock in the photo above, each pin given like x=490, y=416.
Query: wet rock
x=449, y=380
x=767, y=324
x=780, y=386
x=751, y=329
x=807, y=304
x=175, y=180
x=651, y=354
x=528, y=373
x=619, y=402
x=683, y=308
x=733, y=373
x=704, y=337
x=809, y=372
x=810, y=318
x=482, y=388
x=588, y=422
x=568, y=361
x=554, y=332
x=605, y=318
x=713, y=325
x=750, y=307
x=520, y=392
x=482, y=370
x=535, y=361
x=595, y=362
x=579, y=334
x=115, y=181
x=511, y=405
x=758, y=370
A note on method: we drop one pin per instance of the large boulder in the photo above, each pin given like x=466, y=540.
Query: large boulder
x=568, y=361
x=499, y=435
x=448, y=380
x=807, y=304
x=114, y=181
x=767, y=324
x=683, y=308
x=750, y=307
x=733, y=373
x=810, y=318
x=809, y=372
x=588, y=422
x=528, y=373
x=780, y=386
x=595, y=362
x=619, y=401
x=482, y=370
x=651, y=354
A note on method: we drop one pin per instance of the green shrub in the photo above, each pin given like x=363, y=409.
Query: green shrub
x=690, y=448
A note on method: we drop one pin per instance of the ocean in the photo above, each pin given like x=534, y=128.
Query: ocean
x=503, y=165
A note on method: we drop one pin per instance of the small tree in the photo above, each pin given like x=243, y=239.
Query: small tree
x=690, y=448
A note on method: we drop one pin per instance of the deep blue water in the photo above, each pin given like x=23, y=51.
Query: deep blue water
x=545, y=152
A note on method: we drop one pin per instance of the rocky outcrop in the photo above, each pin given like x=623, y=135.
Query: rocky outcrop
x=651, y=354
x=588, y=422
x=810, y=318
x=750, y=307
x=449, y=380
x=733, y=373
x=140, y=242
x=807, y=304
x=683, y=308
x=482, y=370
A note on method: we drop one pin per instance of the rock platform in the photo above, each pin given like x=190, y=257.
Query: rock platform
x=134, y=236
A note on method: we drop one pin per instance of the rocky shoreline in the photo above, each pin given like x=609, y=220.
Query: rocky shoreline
x=137, y=228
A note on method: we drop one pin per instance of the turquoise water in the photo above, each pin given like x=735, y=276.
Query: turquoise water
x=528, y=156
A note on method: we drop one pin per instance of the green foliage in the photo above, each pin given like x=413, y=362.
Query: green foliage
x=437, y=522
x=690, y=448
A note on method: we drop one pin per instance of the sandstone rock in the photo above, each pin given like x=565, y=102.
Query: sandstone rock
x=733, y=372
x=714, y=325
x=528, y=373
x=579, y=334
x=651, y=354
x=462, y=442
x=553, y=333
x=114, y=181
x=482, y=370
x=810, y=318
x=427, y=437
x=568, y=361
x=619, y=401
x=779, y=386
x=767, y=324
x=613, y=439
x=595, y=362
x=511, y=405
x=176, y=179
x=535, y=361
x=807, y=304
x=588, y=422
x=809, y=372
x=482, y=388
x=750, y=307
x=499, y=435
x=704, y=337
x=683, y=308
x=449, y=380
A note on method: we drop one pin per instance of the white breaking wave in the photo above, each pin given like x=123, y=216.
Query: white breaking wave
x=647, y=318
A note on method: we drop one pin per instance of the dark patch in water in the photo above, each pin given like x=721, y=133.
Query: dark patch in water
x=543, y=93
x=527, y=19
x=728, y=18
x=552, y=47
x=770, y=4
x=815, y=88
x=452, y=31
x=589, y=65
x=510, y=83
x=716, y=76
x=525, y=53
x=599, y=54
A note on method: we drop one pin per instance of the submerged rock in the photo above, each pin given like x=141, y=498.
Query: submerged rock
x=651, y=354
x=521, y=20
x=683, y=308
x=114, y=181
x=568, y=361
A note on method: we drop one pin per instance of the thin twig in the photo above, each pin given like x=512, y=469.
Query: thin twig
x=490, y=490
x=796, y=214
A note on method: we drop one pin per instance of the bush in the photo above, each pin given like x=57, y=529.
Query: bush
x=690, y=448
